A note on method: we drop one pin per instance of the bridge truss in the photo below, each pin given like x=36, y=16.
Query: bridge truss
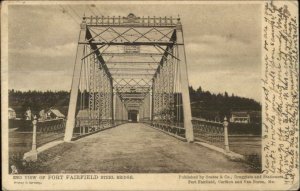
x=130, y=64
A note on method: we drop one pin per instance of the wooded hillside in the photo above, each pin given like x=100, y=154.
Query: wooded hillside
x=208, y=105
x=203, y=102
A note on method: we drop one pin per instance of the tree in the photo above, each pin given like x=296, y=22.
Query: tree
x=226, y=94
x=199, y=90
x=191, y=90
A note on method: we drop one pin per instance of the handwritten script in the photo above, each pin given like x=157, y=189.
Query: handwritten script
x=280, y=91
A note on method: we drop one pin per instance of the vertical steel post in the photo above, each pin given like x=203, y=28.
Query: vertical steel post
x=123, y=111
x=152, y=100
x=189, y=134
x=150, y=105
x=113, y=107
x=75, y=85
x=120, y=108
x=116, y=106
x=126, y=113
x=113, y=103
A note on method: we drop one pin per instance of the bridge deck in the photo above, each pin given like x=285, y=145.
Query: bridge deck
x=135, y=148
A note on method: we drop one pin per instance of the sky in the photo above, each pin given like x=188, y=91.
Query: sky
x=222, y=41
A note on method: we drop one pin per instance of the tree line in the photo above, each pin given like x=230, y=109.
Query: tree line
x=202, y=102
x=38, y=100
x=208, y=105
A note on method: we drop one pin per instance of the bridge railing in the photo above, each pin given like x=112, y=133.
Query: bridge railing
x=50, y=130
x=173, y=128
x=86, y=125
x=210, y=132
x=44, y=132
x=241, y=139
x=170, y=127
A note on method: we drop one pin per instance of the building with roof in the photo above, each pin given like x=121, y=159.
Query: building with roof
x=11, y=113
x=240, y=117
x=54, y=114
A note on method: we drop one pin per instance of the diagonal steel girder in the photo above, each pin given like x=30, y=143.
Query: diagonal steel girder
x=97, y=52
x=165, y=54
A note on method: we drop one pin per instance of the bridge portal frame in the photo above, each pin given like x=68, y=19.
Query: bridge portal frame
x=86, y=38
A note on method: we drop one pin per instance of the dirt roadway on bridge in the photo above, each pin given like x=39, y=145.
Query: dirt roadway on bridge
x=135, y=148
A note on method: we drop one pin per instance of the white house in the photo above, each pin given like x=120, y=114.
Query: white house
x=240, y=117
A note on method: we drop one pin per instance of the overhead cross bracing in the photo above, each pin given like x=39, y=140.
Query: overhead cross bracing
x=130, y=63
x=140, y=58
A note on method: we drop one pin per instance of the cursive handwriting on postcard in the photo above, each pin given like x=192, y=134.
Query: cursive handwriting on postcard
x=280, y=91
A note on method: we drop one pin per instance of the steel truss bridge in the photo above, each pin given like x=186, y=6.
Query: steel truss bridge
x=130, y=68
